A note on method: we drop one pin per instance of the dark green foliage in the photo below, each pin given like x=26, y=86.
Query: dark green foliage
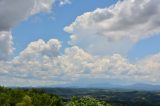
x=33, y=97
x=26, y=101
x=86, y=101
x=115, y=97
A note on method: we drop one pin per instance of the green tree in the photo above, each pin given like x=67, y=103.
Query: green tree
x=26, y=101
x=86, y=101
x=4, y=99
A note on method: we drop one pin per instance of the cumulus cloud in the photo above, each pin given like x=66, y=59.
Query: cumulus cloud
x=12, y=13
x=41, y=63
x=116, y=28
x=40, y=48
x=103, y=31
x=151, y=67
x=5, y=44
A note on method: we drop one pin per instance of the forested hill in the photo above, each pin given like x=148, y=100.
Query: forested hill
x=33, y=97
x=76, y=97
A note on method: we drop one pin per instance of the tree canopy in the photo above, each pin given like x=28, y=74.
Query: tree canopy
x=33, y=97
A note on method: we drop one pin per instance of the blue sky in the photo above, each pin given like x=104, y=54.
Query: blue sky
x=145, y=48
x=51, y=25
x=45, y=43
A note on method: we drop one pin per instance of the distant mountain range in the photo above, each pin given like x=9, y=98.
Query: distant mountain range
x=147, y=87
x=138, y=86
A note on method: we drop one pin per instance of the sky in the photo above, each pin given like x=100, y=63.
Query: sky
x=79, y=42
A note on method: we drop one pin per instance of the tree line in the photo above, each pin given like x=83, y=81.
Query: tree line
x=34, y=97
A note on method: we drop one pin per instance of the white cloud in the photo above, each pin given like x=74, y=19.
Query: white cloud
x=42, y=64
x=115, y=29
x=40, y=48
x=103, y=31
x=5, y=44
x=42, y=6
x=12, y=13
x=64, y=2
x=151, y=67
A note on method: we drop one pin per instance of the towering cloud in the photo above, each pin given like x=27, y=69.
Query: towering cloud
x=117, y=28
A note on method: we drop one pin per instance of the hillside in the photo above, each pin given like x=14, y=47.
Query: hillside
x=33, y=97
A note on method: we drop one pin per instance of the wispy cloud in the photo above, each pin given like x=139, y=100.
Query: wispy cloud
x=64, y=2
